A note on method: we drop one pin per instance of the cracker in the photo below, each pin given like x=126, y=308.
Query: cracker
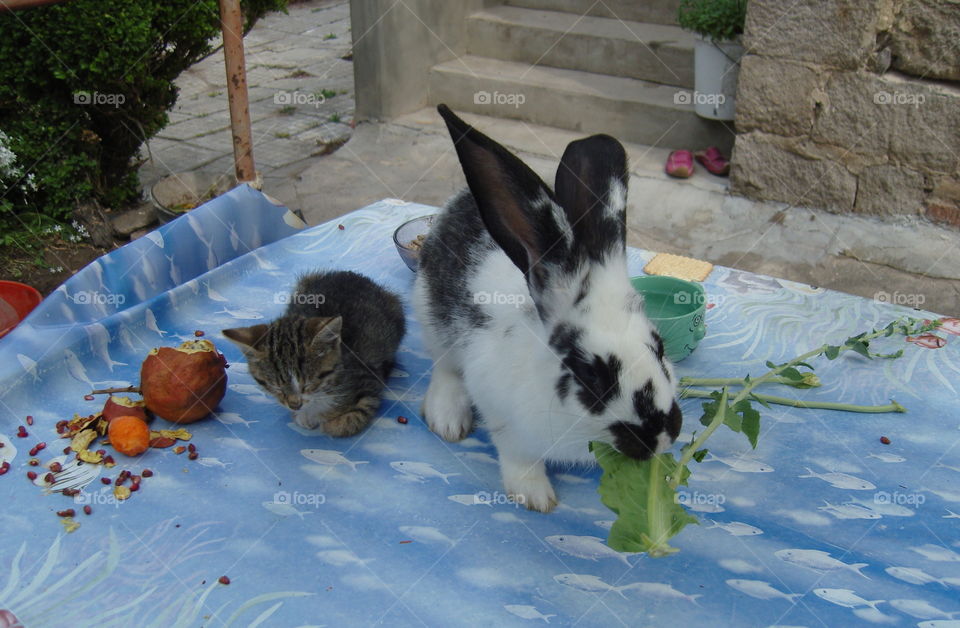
x=678, y=266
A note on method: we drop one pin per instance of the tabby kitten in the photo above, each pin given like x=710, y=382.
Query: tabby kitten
x=328, y=356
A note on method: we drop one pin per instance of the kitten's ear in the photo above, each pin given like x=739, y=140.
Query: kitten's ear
x=249, y=339
x=324, y=330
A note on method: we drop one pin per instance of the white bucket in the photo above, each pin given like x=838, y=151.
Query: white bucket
x=716, y=69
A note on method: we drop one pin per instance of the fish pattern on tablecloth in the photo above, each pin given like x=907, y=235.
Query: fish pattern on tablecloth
x=821, y=524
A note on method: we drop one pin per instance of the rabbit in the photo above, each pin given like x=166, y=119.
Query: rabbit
x=529, y=315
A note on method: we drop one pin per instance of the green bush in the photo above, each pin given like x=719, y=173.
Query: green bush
x=719, y=20
x=82, y=85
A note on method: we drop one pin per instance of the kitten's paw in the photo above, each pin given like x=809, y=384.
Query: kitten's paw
x=529, y=486
x=308, y=421
x=446, y=406
x=346, y=424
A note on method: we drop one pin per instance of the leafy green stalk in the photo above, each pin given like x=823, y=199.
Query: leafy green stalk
x=807, y=380
x=893, y=406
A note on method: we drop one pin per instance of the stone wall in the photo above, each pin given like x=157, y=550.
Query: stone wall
x=852, y=106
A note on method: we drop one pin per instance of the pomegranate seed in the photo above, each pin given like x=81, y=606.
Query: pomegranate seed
x=402, y=420
x=102, y=452
x=147, y=473
x=22, y=432
x=33, y=451
x=3, y=470
x=70, y=492
x=109, y=460
x=884, y=440
x=29, y=420
x=134, y=487
x=106, y=481
x=67, y=450
x=191, y=448
x=49, y=479
x=340, y=227
x=88, y=397
x=41, y=446
x=87, y=509
x=135, y=479
x=119, y=480
x=33, y=462
x=61, y=424
x=193, y=455
x=179, y=449
x=2, y=444
x=32, y=475
x=56, y=467
x=224, y=580
x=69, y=512
x=198, y=334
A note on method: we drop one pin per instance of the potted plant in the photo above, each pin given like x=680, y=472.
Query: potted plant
x=716, y=57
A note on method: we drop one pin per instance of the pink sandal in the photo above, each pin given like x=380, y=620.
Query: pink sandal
x=714, y=161
x=680, y=164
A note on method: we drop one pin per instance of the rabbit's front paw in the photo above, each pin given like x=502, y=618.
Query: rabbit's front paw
x=528, y=484
x=446, y=406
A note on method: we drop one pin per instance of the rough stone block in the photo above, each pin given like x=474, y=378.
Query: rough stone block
x=925, y=39
x=948, y=214
x=764, y=168
x=776, y=96
x=853, y=114
x=925, y=127
x=835, y=33
x=890, y=190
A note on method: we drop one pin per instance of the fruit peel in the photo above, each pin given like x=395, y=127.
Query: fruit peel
x=184, y=384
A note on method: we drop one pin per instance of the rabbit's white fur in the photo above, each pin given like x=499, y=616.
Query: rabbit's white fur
x=509, y=371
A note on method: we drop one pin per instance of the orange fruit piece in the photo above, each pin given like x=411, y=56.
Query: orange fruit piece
x=130, y=435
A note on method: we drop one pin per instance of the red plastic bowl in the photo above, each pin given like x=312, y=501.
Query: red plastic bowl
x=16, y=301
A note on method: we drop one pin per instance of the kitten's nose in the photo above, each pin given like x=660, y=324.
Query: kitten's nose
x=294, y=403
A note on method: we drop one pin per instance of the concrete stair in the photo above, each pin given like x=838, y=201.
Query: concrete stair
x=619, y=67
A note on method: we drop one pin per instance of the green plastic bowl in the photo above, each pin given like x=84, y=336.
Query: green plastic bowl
x=677, y=309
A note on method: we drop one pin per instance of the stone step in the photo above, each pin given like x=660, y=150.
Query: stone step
x=653, y=11
x=629, y=109
x=650, y=52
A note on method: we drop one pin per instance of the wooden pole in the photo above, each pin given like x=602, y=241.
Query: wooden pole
x=15, y=5
x=231, y=20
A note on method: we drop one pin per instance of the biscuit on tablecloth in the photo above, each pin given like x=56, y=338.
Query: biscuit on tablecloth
x=678, y=266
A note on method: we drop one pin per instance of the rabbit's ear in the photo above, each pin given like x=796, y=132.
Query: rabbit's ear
x=516, y=206
x=591, y=187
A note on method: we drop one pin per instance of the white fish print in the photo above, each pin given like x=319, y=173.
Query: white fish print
x=477, y=456
x=525, y=611
x=738, y=565
x=156, y=238
x=9, y=451
x=126, y=337
x=239, y=443
x=951, y=515
x=73, y=474
x=342, y=558
x=884, y=507
x=399, y=373
x=606, y=524
x=737, y=528
x=264, y=264
x=100, y=344
x=762, y=590
x=149, y=271
x=844, y=597
x=247, y=389
x=586, y=547
x=571, y=479
x=937, y=553
x=950, y=496
x=284, y=510
x=921, y=609
x=840, y=480
x=426, y=534
x=152, y=322
x=138, y=290
x=940, y=465
x=849, y=511
x=234, y=237
x=241, y=314
x=209, y=461
x=232, y=418
x=419, y=470
x=213, y=295
x=741, y=465
x=472, y=442
x=29, y=365
x=75, y=368
x=330, y=457
x=913, y=575
x=211, y=257
x=588, y=583
x=888, y=458
x=817, y=560
x=940, y=623
x=175, y=276
x=469, y=500
x=660, y=590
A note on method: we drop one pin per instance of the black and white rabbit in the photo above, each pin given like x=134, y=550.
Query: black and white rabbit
x=530, y=317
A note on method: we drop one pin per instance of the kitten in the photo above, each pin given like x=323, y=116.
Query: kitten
x=328, y=356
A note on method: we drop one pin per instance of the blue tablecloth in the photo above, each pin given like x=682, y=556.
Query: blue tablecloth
x=821, y=525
